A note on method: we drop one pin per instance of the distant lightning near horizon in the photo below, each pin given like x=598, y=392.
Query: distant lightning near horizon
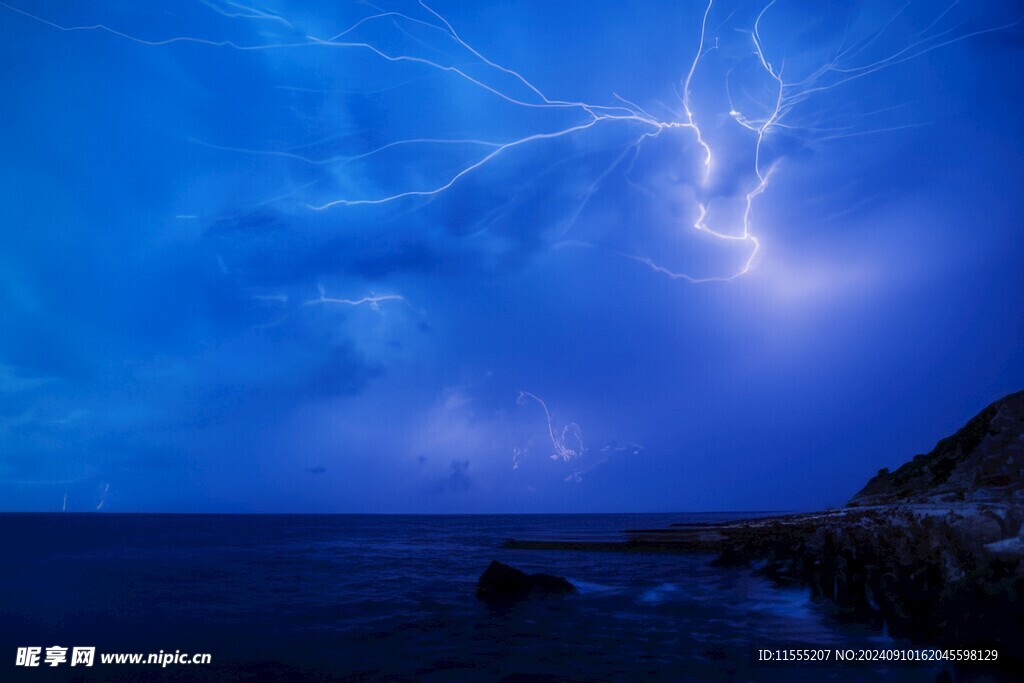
x=103, y=498
x=559, y=441
x=848, y=63
x=568, y=447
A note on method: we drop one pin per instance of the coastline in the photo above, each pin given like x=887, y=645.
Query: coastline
x=946, y=575
x=933, y=551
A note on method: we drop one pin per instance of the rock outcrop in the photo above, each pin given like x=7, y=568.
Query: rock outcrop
x=501, y=582
x=983, y=462
x=933, y=550
x=944, y=576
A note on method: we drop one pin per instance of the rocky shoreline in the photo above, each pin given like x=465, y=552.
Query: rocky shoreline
x=943, y=576
x=946, y=575
x=933, y=551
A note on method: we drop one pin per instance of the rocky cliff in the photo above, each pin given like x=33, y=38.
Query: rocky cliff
x=982, y=462
x=934, y=549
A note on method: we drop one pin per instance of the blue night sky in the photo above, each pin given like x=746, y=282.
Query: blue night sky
x=306, y=257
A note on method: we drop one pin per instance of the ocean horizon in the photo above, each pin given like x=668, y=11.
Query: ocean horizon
x=392, y=597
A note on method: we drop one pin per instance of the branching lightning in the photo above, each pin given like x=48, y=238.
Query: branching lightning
x=559, y=441
x=373, y=301
x=568, y=446
x=849, y=63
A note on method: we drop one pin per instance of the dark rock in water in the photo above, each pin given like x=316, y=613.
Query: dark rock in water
x=983, y=462
x=502, y=582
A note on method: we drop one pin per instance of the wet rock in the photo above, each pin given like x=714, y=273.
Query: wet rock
x=984, y=525
x=1010, y=548
x=502, y=582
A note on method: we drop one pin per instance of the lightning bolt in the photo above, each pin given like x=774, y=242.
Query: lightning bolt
x=558, y=441
x=847, y=64
x=103, y=498
x=373, y=300
x=234, y=10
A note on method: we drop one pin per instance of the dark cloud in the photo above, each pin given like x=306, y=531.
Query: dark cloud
x=459, y=479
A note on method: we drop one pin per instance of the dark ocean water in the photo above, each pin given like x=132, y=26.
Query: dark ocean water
x=297, y=597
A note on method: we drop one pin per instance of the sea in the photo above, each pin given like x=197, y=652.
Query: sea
x=392, y=598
